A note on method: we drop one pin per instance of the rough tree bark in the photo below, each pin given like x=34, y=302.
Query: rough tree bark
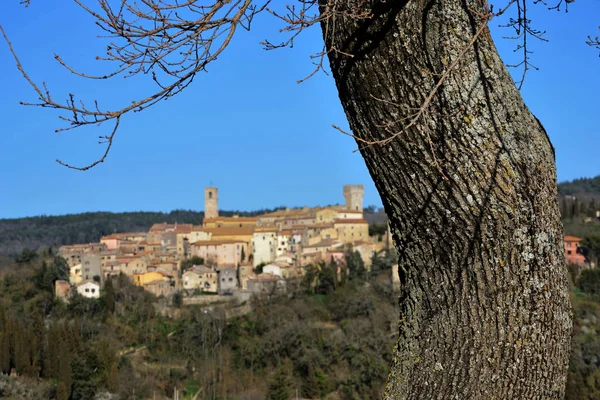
x=470, y=190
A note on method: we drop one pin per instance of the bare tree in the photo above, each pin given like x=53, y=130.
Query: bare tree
x=465, y=171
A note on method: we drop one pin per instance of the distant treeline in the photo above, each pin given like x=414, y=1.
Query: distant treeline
x=583, y=187
x=53, y=231
x=579, y=201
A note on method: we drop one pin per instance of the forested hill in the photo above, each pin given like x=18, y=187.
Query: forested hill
x=584, y=188
x=45, y=231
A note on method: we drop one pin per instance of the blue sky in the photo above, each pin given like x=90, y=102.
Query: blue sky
x=246, y=126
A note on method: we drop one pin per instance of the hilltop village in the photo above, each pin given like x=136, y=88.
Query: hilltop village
x=235, y=255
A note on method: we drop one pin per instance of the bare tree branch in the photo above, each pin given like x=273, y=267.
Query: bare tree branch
x=594, y=41
x=170, y=40
x=174, y=40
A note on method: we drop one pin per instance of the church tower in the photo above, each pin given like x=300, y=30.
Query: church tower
x=354, y=197
x=211, y=202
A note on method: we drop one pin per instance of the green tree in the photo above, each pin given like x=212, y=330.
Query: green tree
x=65, y=374
x=591, y=247
x=109, y=296
x=27, y=256
x=4, y=352
x=61, y=392
x=190, y=262
x=355, y=264
x=280, y=386
x=177, y=299
x=589, y=281
x=327, y=278
x=60, y=269
x=259, y=268
x=308, y=280
x=113, y=378
x=84, y=386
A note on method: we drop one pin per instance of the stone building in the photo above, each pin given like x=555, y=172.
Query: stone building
x=211, y=202
x=202, y=278
x=354, y=197
x=227, y=279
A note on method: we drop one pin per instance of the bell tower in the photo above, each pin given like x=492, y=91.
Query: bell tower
x=211, y=202
x=354, y=197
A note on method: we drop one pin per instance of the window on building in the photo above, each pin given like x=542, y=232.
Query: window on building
x=93, y=290
x=87, y=290
x=569, y=252
x=210, y=195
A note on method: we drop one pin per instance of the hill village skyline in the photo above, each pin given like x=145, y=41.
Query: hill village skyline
x=374, y=205
x=228, y=254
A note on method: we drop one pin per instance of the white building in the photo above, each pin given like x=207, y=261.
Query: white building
x=272, y=269
x=264, y=242
x=89, y=289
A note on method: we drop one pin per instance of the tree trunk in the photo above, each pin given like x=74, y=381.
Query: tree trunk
x=470, y=190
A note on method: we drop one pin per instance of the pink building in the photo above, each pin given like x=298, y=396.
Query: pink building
x=220, y=252
x=572, y=254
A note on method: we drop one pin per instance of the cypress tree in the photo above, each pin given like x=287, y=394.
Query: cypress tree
x=109, y=296
x=76, y=335
x=113, y=378
x=280, y=386
x=64, y=366
x=37, y=336
x=51, y=361
x=4, y=353
x=61, y=392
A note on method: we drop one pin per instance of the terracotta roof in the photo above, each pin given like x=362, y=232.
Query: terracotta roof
x=88, y=281
x=81, y=246
x=265, y=229
x=325, y=243
x=350, y=221
x=154, y=282
x=265, y=276
x=108, y=252
x=232, y=219
x=123, y=235
x=288, y=212
x=200, y=269
x=217, y=242
x=151, y=272
x=231, y=231
x=321, y=225
x=171, y=228
x=572, y=239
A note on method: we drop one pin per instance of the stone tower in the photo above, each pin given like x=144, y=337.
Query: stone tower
x=211, y=202
x=354, y=197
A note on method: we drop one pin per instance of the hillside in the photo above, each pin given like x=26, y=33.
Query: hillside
x=53, y=231
x=584, y=188
x=333, y=341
